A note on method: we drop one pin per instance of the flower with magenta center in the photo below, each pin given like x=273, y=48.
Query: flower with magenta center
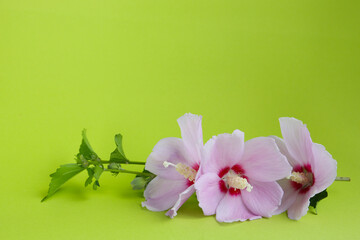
x=176, y=162
x=313, y=168
x=238, y=180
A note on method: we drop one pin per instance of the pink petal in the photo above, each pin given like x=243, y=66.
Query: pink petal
x=161, y=194
x=297, y=139
x=232, y=208
x=263, y=199
x=300, y=207
x=208, y=163
x=171, y=150
x=262, y=160
x=283, y=149
x=208, y=192
x=181, y=200
x=324, y=168
x=289, y=197
x=222, y=151
x=191, y=133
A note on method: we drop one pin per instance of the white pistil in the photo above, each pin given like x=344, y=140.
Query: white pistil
x=167, y=164
x=237, y=182
x=186, y=171
x=299, y=177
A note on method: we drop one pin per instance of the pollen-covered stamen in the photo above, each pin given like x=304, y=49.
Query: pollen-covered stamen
x=233, y=180
x=183, y=169
x=299, y=177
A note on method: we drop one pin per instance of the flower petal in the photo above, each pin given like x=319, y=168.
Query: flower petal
x=297, y=139
x=161, y=194
x=300, y=207
x=208, y=192
x=263, y=199
x=324, y=167
x=191, y=133
x=289, y=197
x=181, y=200
x=224, y=150
x=284, y=151
x=171, y=150
x=232, y=208
x=262, y=160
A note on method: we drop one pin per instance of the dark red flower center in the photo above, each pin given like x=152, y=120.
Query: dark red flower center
x=189, y=182
x=302, y=178
x=233, y=180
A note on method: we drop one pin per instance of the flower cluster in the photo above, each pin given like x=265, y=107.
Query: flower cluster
x=238, y=180
x=234, y=179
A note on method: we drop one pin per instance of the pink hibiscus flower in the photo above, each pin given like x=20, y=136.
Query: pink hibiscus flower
x=313, y=171
x=238, y=180
x=175, y=161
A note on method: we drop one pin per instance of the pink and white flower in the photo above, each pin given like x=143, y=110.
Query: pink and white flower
x=176, y=162
x=238, y=180
x=313, y=168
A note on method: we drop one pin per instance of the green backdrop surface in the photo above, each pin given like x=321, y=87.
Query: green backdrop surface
x=134, y=67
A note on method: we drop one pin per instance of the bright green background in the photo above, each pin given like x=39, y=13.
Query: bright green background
x=134, y=67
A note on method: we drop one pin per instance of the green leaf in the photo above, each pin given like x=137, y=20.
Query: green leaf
x=118, y=154
x=91, y=176
x=96, y=185
x=97, y=173
x=85, y=151
x=315, y=199
x=62, y=175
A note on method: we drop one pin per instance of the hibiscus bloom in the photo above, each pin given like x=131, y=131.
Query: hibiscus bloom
x=313, y=171
x=175, y=161
x=238, y=180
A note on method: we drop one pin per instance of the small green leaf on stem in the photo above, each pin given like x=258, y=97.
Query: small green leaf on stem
x=91, y=176
x=85, y=151
x=62, y=175
x=96, y=185
x=118, y=154
x=315, y=199
x=98, y=170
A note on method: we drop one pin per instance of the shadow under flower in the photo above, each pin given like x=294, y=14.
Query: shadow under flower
x=190, y=209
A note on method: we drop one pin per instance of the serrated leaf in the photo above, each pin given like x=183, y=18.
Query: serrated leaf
x=91, y=176
x=118, y=154
x=315, y=199
x=62, y=175
x=85, y=150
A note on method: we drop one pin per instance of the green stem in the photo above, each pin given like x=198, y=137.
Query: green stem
x=131, y=172
x=107, y=162
x=136, y=163
x=342, y=179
